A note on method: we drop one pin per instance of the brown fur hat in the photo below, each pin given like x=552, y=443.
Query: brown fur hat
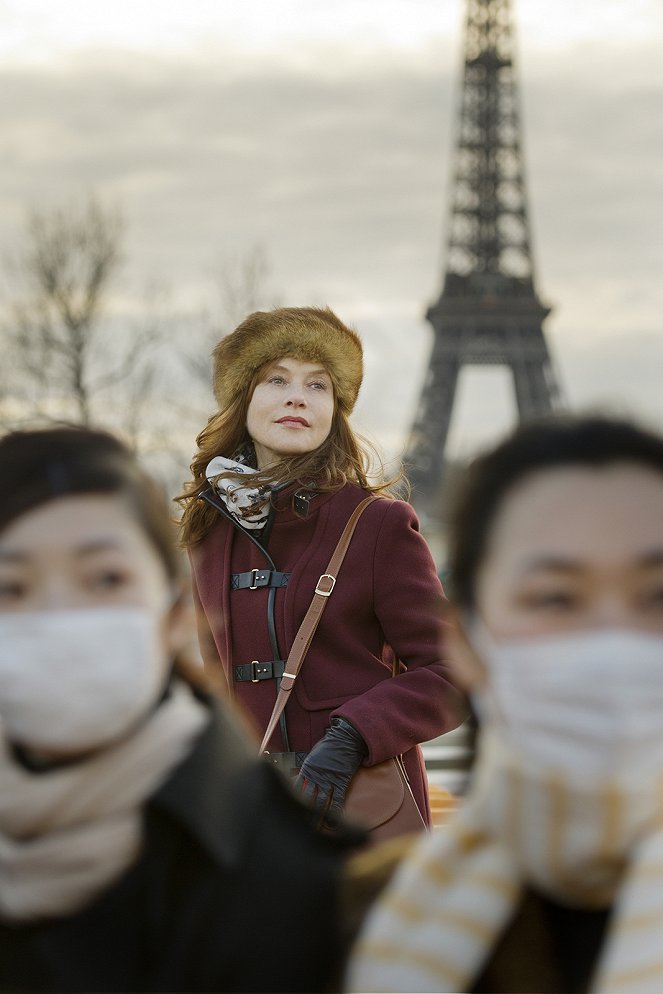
x=311, y=334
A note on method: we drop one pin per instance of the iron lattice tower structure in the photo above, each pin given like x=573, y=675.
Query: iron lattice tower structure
x=488, y=312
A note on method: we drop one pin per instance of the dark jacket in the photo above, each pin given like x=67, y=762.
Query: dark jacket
x=547, y=947
x=235, y=891
x=387, y=594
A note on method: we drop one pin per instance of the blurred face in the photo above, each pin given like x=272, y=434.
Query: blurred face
x=88, y=622
x=79, y=552
x=291, y=410
x=572, y=549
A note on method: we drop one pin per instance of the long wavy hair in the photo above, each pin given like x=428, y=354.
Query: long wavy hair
x=344, y=457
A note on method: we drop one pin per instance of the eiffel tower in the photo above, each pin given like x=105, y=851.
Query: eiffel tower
x=489, y=312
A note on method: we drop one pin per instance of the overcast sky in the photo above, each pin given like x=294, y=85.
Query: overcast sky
x=321, y=131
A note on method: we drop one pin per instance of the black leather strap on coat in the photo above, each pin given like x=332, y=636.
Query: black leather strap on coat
x=253, y=579
x=209, y=496
x=254, y=671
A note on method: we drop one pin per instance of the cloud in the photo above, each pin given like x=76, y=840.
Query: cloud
x=335, y=175
x=339, y=166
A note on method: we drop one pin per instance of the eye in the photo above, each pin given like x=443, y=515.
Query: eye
x=11, y=590
x=652, y=597
x=278, y=380
x=109, y=579
x=319, y=385
x=556, y=600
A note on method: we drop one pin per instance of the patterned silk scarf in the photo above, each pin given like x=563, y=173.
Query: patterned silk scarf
x=248, y=505
x=593, y=846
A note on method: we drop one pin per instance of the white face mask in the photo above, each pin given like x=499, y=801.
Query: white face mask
x=588, y=704
x=75, y=680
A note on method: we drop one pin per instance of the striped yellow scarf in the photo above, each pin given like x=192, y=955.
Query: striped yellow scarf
x=592, y=847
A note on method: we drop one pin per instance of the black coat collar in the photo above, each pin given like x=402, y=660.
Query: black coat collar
x=219, y=789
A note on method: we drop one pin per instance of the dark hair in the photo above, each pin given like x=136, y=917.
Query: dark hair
x=555, y=441
x=40, y=465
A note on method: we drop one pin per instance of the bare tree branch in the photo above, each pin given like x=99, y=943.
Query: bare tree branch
x=70, y=259
x=63, y=344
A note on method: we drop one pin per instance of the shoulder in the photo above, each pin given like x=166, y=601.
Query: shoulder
x=382, y=508
x=392, y=517
x=386, y=524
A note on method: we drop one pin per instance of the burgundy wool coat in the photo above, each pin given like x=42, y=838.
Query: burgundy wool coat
x=387, y=594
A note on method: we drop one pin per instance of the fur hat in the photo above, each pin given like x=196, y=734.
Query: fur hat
x=311, y=334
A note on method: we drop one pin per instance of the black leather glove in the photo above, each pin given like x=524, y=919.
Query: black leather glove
x=330, y=766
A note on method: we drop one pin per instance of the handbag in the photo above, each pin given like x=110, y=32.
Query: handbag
x=379, y=797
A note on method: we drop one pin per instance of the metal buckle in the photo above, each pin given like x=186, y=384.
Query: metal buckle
x=325, y=593
x=254, y=579
x=254, y=663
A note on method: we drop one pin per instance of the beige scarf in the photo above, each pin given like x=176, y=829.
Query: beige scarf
x=68, y=833
x=592, y=847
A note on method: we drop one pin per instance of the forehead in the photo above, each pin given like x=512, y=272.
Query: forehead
x=594, y=515
x=71, y=522
x=304, y=367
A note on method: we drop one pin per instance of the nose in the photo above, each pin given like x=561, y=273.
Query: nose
x=296, y=396
x=58, y=595
x=612, y=610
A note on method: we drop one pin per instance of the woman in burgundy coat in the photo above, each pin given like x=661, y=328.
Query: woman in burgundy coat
x=277, y=475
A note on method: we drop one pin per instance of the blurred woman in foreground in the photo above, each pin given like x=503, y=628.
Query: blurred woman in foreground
x=143, y=847
x=550, y=877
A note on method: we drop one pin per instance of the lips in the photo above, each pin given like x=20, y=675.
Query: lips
x=293, y=421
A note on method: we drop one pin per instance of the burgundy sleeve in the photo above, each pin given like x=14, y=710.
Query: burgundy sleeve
x=420, y=703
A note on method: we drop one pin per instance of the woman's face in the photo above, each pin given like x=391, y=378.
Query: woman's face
x=85, y=552
x=291, y=410
x=573, y=549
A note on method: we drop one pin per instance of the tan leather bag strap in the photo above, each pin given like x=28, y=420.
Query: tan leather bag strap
x=308, y=626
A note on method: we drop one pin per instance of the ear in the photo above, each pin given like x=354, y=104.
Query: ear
x=467, y=668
